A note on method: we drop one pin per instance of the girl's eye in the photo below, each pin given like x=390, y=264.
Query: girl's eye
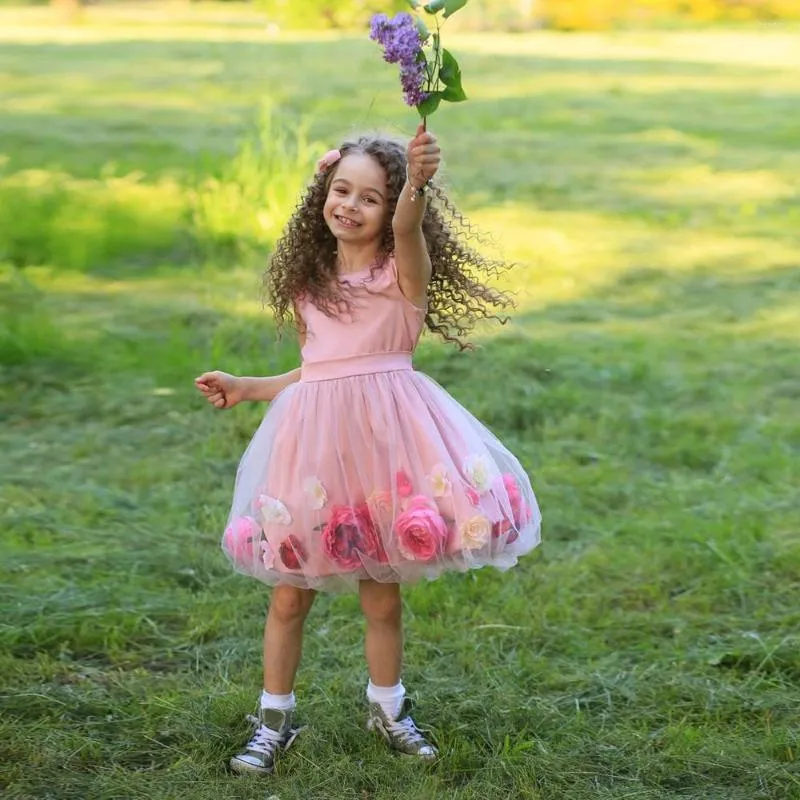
x=370, y=200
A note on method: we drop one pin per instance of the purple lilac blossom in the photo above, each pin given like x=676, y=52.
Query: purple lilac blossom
x=402, y=44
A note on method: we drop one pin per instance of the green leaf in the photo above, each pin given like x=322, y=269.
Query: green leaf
x=454, y=94
x=429, y=104
x=424, y=33
x=434, y=6
x=450, y=73
x=451, y=6
x=414, y=4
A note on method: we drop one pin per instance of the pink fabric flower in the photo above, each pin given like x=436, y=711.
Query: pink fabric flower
x=380, y=505
x=473, y=496
x=421, y=531
x=328, y=160
x=241, y=539
x=292, y=552
x=267, y=555
x=519, y=508
x=404, y=487
x=348, y=536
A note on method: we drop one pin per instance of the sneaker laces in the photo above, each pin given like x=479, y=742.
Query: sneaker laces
x=406, y=731
x=265, y=740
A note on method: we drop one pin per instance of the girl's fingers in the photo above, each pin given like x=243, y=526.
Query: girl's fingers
x=424, y=140
x=210, y=385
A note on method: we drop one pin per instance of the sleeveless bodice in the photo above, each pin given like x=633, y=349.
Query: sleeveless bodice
x=378, y=333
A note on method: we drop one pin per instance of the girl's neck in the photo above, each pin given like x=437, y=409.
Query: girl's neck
x=351, y=258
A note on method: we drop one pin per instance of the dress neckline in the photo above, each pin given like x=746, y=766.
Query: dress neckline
x=346, y=277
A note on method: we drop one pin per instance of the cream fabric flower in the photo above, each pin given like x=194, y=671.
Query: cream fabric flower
x=480, y=472
x=440, y=482
x=273, y=511
x=475, y=532
x=317, y=495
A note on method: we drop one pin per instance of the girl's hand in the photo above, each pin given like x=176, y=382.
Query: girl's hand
x=424, y=157
x=220, y=389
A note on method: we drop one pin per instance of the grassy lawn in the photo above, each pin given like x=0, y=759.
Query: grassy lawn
x=647, y=185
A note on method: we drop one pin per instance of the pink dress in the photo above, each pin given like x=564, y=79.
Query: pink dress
x=366, y=468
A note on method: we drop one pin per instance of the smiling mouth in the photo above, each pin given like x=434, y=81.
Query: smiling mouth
x=347, y=223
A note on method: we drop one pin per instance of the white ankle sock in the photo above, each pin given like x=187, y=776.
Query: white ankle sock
x=389, y=698
x=281, y=702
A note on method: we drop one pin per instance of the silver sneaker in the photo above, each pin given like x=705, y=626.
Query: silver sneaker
x=401, y=734
x=273, y=733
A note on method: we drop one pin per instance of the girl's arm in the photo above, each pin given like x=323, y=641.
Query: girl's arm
x=267, y=389
x=225, y=391
x=410, y=251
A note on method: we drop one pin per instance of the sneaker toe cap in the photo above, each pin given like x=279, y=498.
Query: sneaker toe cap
x=428, y=752
x=247, y=763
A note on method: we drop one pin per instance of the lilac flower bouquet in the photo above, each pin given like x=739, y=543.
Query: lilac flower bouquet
x=429, y=77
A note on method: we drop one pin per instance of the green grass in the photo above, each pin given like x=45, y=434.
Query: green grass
x=646, y=183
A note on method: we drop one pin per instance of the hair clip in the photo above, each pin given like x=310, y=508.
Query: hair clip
x=328, y=160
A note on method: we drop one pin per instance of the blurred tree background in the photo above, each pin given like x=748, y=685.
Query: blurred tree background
x=517, y=15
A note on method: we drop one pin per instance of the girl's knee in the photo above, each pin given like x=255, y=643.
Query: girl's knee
x=290, y=604
x=381, y=603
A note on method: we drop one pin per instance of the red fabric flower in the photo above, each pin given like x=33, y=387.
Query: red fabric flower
x=349, y=535
x=292, y=553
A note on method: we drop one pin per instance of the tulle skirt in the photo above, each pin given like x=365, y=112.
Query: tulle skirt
x=380, y=475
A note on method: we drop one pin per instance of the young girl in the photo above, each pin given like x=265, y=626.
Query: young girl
x=365, y=473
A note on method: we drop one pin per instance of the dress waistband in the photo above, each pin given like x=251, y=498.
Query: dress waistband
x=354, y=365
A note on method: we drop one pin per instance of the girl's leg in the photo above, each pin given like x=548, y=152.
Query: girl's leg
x=283, y=643
x=389, y=713
x=283, y=637
x=383, y=643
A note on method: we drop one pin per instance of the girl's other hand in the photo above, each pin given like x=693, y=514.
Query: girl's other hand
x=424, y=157
x=220, y=389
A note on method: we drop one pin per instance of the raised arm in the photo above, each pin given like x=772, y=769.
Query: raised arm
x=410, y=251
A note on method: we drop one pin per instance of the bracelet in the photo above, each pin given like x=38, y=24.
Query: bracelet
x=417, y=191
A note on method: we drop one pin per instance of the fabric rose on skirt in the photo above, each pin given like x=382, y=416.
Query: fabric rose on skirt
x=241, y=540
x=421, y=530
x=292, y=553
x=475, y=532
x=520, y=512
x=348, y=536
x=380, y=506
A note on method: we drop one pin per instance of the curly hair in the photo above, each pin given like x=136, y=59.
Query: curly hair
x=303, y=262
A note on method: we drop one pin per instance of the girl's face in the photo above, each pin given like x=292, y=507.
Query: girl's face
x=356, y=207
